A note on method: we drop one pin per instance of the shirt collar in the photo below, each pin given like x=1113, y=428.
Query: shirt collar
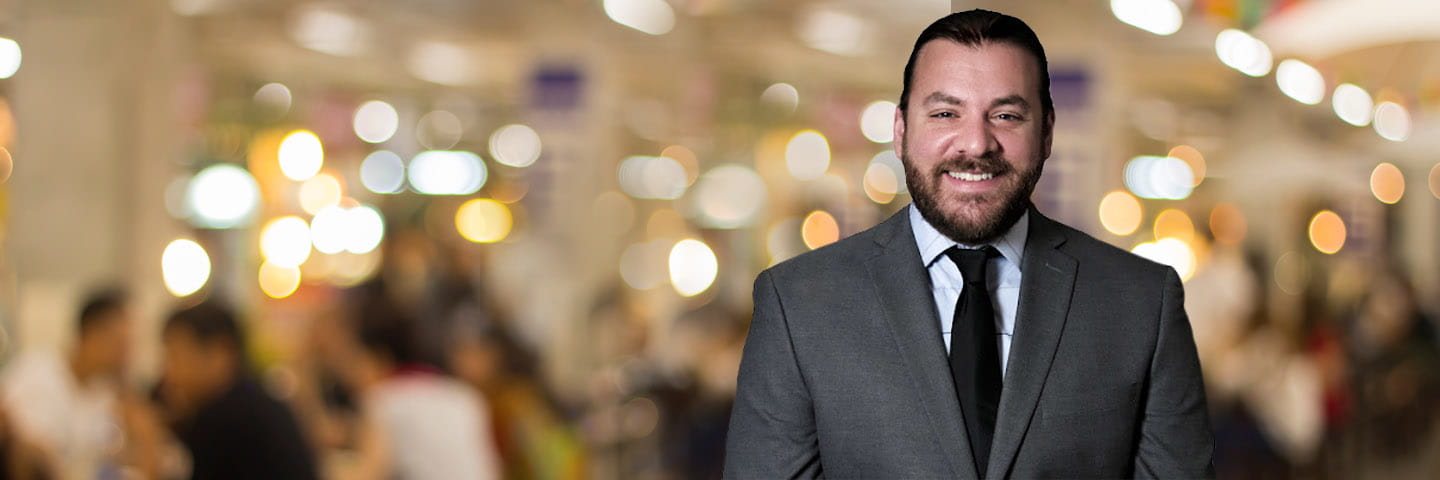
x=933, y=244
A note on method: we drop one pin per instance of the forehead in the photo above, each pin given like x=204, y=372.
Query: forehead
x=989, y=70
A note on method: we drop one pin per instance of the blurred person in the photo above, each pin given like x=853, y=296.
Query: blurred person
x=846, y=371
x=74, y=411
x=1396, y=371
x=230, y=425
x=417, y=423
x=532, y=435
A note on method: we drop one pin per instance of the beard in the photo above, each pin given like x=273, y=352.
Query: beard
x=972, y=218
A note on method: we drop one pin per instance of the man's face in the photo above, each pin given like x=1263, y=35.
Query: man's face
x=108, y=342
x=973, y=138
x=193, y=370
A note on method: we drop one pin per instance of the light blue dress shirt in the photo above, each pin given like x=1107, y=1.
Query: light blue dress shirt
x=946, y=283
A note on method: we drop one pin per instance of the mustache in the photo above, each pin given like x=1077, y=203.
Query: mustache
x=987, y=163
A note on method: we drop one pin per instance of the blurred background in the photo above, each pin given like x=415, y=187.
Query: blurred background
x=517, y=238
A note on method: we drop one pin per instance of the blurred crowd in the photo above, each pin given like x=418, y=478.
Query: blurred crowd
x=416, y=374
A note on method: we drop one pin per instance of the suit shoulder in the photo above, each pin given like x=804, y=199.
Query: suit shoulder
x=841, y=256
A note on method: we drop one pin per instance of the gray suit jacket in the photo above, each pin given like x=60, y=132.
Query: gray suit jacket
x=844, y=374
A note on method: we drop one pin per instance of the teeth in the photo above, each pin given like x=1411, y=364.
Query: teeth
x=971, y=177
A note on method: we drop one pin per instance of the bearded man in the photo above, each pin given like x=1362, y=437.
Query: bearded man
x=970, y=336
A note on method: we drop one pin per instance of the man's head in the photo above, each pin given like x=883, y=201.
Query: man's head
x=974, y=123
x=204, y=354
x=103, y=333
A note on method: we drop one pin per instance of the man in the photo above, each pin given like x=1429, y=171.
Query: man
x=73, y=410
x=230, y=425
x=1067, y=357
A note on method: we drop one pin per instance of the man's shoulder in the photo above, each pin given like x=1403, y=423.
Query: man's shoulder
x=843, y=256
x=1092, y=251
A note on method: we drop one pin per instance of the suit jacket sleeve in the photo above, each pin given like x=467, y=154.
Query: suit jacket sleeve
x=772, y=426
x=1175, y=436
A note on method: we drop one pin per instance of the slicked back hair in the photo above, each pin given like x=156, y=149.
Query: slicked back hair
x=975, y=28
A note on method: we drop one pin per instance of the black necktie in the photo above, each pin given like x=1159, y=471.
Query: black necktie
x=974, y=355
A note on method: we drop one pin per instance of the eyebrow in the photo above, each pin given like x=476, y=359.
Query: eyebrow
x=1013, y=100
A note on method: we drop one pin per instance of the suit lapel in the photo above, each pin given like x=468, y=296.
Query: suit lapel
x=1047, y=280
x=902, y=284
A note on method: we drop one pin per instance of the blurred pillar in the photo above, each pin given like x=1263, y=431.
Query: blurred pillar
x=95, y=148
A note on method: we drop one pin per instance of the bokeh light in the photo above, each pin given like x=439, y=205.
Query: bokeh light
x=185, y=267
x=483, y=220
x=654, y=17
x=889, y=159
x=1300, y=81
x=687, y=159
x=1173, y=223
x=1193, y=158
x=819, y=229
x=222, y=196
x=1291, y=273
x=807, y=156
x=643, y=265
x=877, y=121
x=7, y=164
x=693, y=267
x=1227, y=224
x=1392, y=121
x=274, y=96
x=383, y=172
x=880, y=183
x=729, y=196
x=326, y=29
x=1327, y=232
x=1352, y=104
x=1159, y=177
x=301, y=155
x=1240, y=51
x=366, y=229
x=666, y=223
x=285, y=241
x=376, y=121
x=824, y=27
x=439, y=130
x=1160, y=17
x=1387, y=183
x=277, y=281
x=320, y=191
x=443, y=63
x=1120, y=213
x=1435, y=180
x=782, y=95
x=515, y=145
x=447, y=172
x=10, y=57
x=652, y=177
x=1170, y=251
x=330, y=229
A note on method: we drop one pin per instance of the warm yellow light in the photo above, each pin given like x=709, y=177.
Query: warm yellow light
x=1227, y=224
x=686, y=158
x=1387, y=183
x=880, y=183
x=185, y=267
x=1192, y=157
x=320, y=191
x=1327, y=232
x=1170, y=251
x=1435, y=180
x=693, y=267
x=1120, y=213
x=483, y=220
x=819, y=229
x=1173, y=223
x=277, y=281
x=301, y=155
x=286, y=241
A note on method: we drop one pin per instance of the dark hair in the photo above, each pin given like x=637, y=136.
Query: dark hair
x=94, y=312
x=975, y=28
x=211, y=324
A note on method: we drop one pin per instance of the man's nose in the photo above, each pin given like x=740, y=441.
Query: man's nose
x=975, y=137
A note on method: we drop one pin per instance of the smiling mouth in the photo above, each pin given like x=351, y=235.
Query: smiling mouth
x=970, y=177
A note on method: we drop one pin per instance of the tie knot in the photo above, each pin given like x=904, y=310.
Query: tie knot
x=972, y=261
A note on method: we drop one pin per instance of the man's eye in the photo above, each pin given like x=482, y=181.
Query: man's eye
x=1008, y=117
x=944, y=115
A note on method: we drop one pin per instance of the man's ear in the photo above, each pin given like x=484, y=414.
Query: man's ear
x=899, y=141
x=1049, y=134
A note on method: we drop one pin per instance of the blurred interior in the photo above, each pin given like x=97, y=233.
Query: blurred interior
x=564, y=203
